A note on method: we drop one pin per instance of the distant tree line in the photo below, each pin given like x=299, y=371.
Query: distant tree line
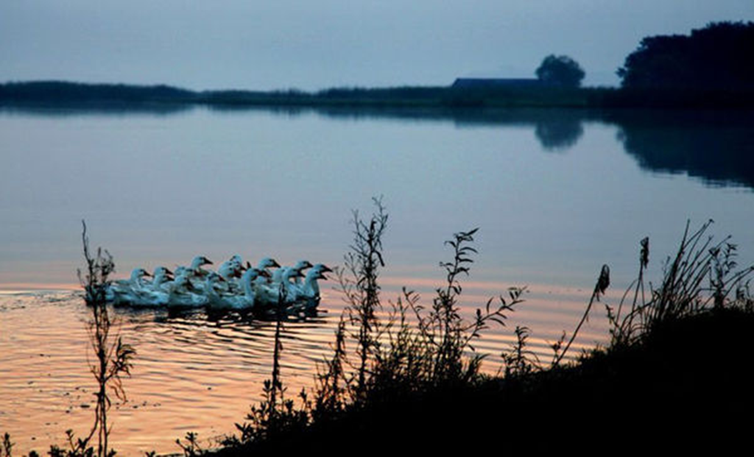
x=711, y=67
x=63, y=91
x=718, y=56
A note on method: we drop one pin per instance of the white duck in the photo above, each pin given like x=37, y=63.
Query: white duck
x=277, y=275
x=197, y=274
x=245, y=301
x=309, y=290
x=176, y=293
x=181, y=294
x=268, y=294
x=267, y=263
x=160, y=278
x=124, y=291
x=263, y=265
x=197, y=264
x=231, y=270
x=152, y=293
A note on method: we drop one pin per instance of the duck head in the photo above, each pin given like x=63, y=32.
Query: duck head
x=199, y=261
x=139, y=273
x=267, y=262
x=320, y=271
x=302, y=265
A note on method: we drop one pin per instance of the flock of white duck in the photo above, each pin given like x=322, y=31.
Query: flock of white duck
x=234, y=285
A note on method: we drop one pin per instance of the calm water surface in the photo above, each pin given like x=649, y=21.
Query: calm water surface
x=555, y=193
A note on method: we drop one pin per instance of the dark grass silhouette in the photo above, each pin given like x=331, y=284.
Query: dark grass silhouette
x=670, y=377
x=413, y=351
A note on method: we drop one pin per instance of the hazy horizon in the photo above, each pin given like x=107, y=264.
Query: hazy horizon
x=251, y=45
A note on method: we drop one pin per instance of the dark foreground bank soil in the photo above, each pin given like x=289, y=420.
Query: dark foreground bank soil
x=687, y=387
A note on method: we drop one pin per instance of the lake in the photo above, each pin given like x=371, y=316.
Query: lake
x=556, y=194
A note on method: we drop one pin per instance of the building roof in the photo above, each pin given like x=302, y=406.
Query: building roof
x=496, y=82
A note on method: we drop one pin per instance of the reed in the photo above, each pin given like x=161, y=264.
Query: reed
x=276, y=416
x=7, y=446
x=330, y=391
x=603, y=282
x=519, y=361
x=414, y=346
x=702, y=276
x=413, y=349
x=361, y=289
x=191, y=447
x=113, y=357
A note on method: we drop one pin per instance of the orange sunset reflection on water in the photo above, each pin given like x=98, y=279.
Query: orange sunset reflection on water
x=199, y=372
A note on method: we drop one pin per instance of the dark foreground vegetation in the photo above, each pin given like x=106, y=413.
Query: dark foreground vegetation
x=684, y=386
x=673, y=377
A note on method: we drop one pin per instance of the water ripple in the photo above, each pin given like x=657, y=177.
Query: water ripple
x=193, y=371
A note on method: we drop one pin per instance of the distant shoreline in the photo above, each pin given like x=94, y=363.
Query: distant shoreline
x=62, y=93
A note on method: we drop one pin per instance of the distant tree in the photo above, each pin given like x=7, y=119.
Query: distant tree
x=560, y=71
x=718, y=56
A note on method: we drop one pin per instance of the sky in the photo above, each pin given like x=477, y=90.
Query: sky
x=281, y=44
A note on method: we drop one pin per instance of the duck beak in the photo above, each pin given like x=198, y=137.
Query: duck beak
x=168, y=272
x=326, y=269
x=208, y=262
x=275, y=263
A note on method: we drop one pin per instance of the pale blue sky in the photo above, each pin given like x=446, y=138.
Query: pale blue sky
x=310, y=45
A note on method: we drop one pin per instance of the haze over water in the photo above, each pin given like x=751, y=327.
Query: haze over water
x=314, y=45
x=555, y=193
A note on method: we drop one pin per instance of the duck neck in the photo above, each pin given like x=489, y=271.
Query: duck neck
x=310, y=284
x=248, y=287
x=159, y=278
x=226, y=270
x=209, y=288
x=136, y=279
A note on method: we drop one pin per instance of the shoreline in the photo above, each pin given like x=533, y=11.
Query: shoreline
x=434, y=99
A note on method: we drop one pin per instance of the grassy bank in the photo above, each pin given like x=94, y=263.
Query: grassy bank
x=683, y=387
x=673, y=377
x=68, y=93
